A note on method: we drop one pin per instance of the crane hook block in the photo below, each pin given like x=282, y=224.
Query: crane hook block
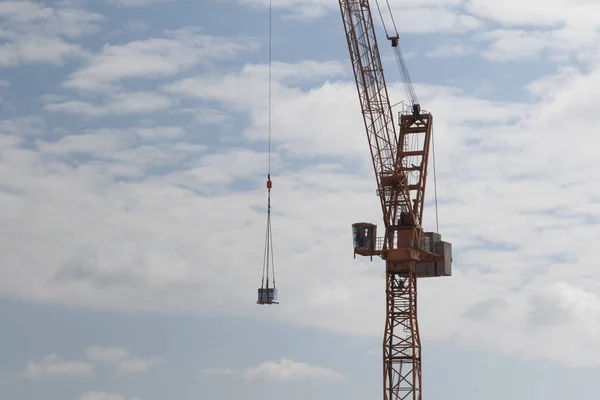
x=269, y=184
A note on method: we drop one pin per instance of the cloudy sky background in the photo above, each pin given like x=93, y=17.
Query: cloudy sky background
x=132, y=200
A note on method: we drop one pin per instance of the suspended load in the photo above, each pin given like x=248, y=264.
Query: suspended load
x=267, y=294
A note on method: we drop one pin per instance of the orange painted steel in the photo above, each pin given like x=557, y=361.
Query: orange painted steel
x=400, y=164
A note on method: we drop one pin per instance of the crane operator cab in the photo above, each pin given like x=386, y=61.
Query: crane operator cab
x=365, y=237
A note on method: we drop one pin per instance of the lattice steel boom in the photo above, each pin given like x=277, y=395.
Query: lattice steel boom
x=374, y=100
x=400, y=163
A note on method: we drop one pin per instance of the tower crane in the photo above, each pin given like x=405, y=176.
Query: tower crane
x=400, y=162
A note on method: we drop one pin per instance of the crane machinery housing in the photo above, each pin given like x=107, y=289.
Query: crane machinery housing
x=400, y=162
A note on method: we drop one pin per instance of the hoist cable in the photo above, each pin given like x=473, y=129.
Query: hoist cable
x=382, y=21
x=392, y=16
x=271, y=246
x=437, y=224
x=265, y=271
x=408, y=85
x=270, y=67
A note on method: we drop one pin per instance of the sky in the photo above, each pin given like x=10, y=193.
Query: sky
x=133, y=161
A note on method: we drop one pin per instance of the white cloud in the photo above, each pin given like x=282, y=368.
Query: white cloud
x=37, y=34
x=430, y=18
x=536, y=12
x=137, y=25
x=119, y=153
x=450, y=50
x=122, y=359
x=211, y=116
x=37, y=49
x=29, y=17
x=22, y=126
x=287, y=370
x=216, y=371
x=107, y=354
x=51, y=365
x=563, y=28
x=517, y=45
x=136, y=3
x=300, y=9
x=578, y=42
x=289, y=103
x=135, y=365
x=105, y=396
x=116, y=104
x=156, y=57
x=109, y=72
x=160, y=132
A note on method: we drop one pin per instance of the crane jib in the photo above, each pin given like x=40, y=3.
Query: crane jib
x=377, y=110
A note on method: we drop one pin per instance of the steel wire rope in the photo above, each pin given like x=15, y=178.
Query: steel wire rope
x=437, y=224
x=406, y=80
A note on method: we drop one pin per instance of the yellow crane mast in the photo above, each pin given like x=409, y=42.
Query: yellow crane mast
x=400, y=164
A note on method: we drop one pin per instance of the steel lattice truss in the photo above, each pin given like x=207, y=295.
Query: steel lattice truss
x=401, y=344
x=413, y=156
x=376, y=109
